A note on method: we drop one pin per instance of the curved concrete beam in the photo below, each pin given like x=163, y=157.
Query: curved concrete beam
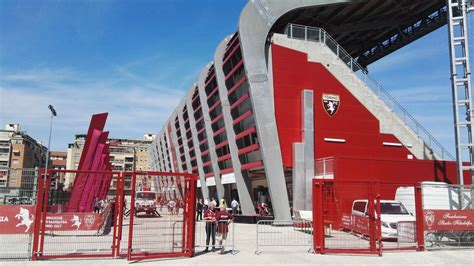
x=244, y=186
x=255, y=22
x=209, y=132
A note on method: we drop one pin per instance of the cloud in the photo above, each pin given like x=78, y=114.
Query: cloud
x=133, y=109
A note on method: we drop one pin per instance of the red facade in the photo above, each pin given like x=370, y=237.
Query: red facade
x=363, y=155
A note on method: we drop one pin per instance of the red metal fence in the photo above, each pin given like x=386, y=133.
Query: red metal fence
x=136, y=228
x=369, y=216
x=366, y=217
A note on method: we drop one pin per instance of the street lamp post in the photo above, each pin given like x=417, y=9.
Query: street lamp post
x=53, y=114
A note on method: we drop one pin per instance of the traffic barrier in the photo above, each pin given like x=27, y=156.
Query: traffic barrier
x=284, y=236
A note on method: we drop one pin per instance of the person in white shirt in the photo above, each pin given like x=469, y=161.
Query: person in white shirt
x=206, y=204
x=235, y=206
x=213, y=201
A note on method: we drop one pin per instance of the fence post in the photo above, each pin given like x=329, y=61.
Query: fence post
x=420, y=218
x=318, y=223
x=132, y=216
x=38, y=212
x=379, y=220
x=372, y=227
x=191, y=213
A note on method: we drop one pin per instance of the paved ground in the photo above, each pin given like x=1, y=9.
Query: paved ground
x=245, y=244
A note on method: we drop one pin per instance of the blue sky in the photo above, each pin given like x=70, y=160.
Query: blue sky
x=136, y=60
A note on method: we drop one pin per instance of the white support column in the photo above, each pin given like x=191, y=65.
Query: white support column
x=299, y=184
x=244, y=186
x=209, y=132
x=308, y=140
x=197, y=150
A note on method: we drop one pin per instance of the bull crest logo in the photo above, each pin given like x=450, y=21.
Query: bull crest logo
x=429, y=218
x=89, y=221
x=331, y=103
x=76, y=222
x=25, y=218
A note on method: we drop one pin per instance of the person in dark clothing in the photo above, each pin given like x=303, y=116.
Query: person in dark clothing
x=199, y=208
x=210, y=218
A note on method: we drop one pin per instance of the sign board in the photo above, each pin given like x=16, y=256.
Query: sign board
x=228, y=178
x=210, y=181
x=356, y=223
x=19, y=219
x=449, y=220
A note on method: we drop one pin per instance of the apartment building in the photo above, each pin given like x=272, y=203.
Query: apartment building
x=125, y=155
x=18, y=150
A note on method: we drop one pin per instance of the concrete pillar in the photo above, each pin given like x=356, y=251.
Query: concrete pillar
x=299, y=183
x=244, y=186
x=308, y=140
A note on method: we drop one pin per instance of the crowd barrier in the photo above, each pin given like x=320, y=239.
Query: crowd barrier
x=287, y=236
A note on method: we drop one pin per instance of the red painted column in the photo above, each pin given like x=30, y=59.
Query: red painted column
x=318, y=223
x=420, y=225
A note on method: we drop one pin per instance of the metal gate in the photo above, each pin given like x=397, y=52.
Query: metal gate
x=80, y=233
x=367, y=216
x=110, y=225
x=157, y=232
x=336, y=228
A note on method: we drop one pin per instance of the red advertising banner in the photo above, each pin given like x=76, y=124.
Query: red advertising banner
x=356, y=223
x=449, y=220
x=73, y=221
x=19, y=219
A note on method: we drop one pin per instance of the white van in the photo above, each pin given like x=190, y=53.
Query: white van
x=392, y=212
x=436, y=196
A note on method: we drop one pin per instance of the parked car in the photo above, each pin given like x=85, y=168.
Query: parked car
x=392, y=212
x=145, y=201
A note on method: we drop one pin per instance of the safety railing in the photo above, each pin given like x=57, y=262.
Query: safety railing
x=284, y=236
x=219, y=235
x=319, y=35
x=324, y=168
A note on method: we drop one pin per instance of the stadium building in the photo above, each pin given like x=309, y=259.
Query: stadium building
x=288, y=97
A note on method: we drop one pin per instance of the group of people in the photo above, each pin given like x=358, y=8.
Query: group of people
x=202, y=206
x=217, y=221
x=99, y=205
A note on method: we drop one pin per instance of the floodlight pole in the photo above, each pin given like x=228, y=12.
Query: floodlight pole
x=53, y=114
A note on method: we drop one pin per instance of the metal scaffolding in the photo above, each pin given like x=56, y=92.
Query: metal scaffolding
x=461, y=84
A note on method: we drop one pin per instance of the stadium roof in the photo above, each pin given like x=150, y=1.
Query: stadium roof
x=369, y=30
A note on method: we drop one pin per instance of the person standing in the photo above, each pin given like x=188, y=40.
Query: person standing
x=96, y=205
x=223, y=218
x=210, y=218
x=199, y=208
x=213, y=201
x=235, y=206
x=223, y=202
x=206, y=204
